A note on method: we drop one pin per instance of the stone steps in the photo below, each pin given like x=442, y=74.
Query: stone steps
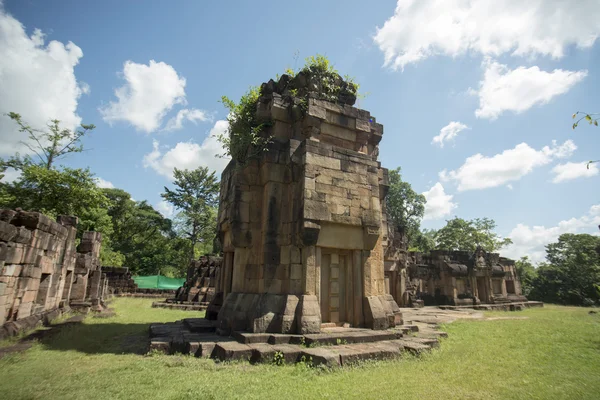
x=333, y=347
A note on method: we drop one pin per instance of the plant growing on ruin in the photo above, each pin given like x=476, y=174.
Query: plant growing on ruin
x=243, y=139
x=278, y=358
x=246, y=136
x=592, y=119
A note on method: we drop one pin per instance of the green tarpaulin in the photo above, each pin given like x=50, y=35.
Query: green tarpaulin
x=158, y=282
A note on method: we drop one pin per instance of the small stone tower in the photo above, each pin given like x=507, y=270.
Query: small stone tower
x=301, y=225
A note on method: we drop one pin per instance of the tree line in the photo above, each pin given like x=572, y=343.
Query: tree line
x=134, y=233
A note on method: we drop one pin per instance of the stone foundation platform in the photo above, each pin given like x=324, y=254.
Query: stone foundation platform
x=336, y=346
x=514, y=306
x=182, y=306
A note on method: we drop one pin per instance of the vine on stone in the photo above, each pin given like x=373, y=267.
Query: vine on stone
x=246, y=137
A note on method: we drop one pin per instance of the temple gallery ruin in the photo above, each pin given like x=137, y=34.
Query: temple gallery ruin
x=308, y=255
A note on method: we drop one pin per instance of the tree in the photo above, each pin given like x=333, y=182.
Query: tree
x=404, y=206
x=195, y=193
x=49, y=145
x=526, y=273
x=460, y=234
x=62, y=192
x=425, y=241
x=572, y=272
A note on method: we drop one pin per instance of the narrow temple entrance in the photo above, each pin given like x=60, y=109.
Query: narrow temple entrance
x=481, y=291
x=334, y=286
x=510, y=287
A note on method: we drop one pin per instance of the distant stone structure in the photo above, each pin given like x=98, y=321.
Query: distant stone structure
x=199, y=286
x=301, y=226
x=457, y=278
x=119, y=280
x=41, y=272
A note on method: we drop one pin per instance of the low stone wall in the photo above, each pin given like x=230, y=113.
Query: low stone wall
x=119, y=280
x=41, y=271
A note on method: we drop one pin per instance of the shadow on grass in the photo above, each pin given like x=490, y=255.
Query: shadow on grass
x=95, y=338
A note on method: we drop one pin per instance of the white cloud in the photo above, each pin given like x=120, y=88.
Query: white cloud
x=189, y=155
x=10, y=175
x=448, y=133
x=439, y=204
x=165, y=208
x=149, y=92
x=191, y=114
x=423, y=28
x=509, y=186
x=480, y=172
x=517, y=90
x=104, y=184
x=531, y=241
x=569, y=171
x=37, y=80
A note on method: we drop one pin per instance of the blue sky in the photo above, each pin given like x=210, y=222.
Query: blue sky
x=504, y=78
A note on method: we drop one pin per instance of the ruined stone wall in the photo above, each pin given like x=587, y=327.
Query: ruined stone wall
x=452, y=278
x=39, y=265
x=119, y=280
x=202, y=276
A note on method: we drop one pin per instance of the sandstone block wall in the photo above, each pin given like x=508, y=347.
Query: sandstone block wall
x=119, y=280
x=39, y=264
x=202, y=276
x=451, y=278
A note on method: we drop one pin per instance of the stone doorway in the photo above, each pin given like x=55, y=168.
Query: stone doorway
x=335, y=286
x=481, y=290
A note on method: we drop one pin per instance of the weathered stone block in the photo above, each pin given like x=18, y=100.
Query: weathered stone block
x=24, y=310
x=10, y=270
x=7, y=231
x=14, y=253
x=321, y=161
x=316, y=210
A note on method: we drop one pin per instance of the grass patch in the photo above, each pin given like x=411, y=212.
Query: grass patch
x=555, y=353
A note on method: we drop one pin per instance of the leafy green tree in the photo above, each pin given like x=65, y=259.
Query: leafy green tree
x=49, y=145
x=572, y=272
x=424, y=241
x=206, y=234
x=144, y=237
x=404, y=206
x=196, y=193
x=460, y=234
x=526, y=273
x=62, y=192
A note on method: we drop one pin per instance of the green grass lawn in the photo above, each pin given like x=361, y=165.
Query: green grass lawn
x=554, y=354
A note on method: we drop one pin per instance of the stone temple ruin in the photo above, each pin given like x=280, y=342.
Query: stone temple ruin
x=302, y=226
x=42, y=273
x=451, y=278
x=307, y=254
x=199, y=288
